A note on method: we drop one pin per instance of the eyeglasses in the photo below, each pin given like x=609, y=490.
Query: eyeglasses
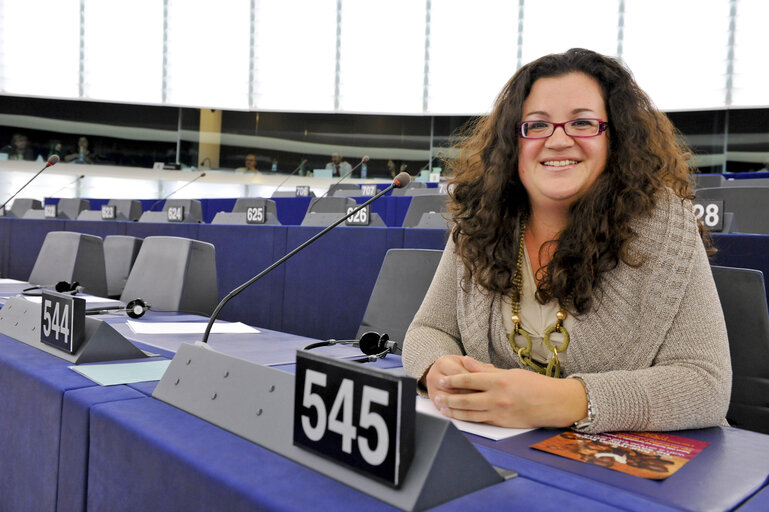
x=574, y=128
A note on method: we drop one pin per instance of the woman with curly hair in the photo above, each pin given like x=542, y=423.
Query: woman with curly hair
x=575, y=254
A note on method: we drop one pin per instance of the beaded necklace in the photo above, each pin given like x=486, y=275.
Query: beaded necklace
x=553, y=368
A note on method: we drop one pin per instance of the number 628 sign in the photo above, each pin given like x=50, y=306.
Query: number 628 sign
x=356, y=415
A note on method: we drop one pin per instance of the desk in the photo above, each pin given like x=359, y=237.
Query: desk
x=116, y=448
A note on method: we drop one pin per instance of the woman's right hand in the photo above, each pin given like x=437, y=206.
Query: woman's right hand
x=443, y=367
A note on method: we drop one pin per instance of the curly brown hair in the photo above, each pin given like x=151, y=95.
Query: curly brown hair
x=646, y=155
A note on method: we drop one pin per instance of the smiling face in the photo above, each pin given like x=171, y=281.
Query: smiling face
x=558, y=170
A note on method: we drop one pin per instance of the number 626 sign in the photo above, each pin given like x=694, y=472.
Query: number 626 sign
x=359, y=416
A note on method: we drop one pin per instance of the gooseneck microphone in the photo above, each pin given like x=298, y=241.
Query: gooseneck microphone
x=348, y=173
x=400, y=181
x=177, y=190
x=68, y=185
x=292, y=173
x=52, y=160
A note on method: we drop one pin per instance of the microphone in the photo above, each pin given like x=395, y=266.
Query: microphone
x=177, y=190
x=292, y=173
x=52, y=160
x=362, y=161
x=400, y=181
x=69, y=185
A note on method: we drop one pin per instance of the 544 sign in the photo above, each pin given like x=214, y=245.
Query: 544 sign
x=62, y=321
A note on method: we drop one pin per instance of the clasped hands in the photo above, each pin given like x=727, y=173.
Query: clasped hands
x=466, y=389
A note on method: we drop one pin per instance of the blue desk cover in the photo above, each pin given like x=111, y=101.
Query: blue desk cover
x=328, y=285
x=33, y=385
x=757, y=503
x=148, y=455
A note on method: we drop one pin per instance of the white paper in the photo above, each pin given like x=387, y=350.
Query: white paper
x=11, y=281
x=89, y=299
x=426, y=406
x=189, y=328
x=123, y=373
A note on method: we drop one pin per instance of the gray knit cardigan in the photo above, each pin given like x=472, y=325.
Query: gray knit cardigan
x=652, y=352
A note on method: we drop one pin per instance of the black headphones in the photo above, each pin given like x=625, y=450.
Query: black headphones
x=134, y=309
x=61, y=287
x=374, y=345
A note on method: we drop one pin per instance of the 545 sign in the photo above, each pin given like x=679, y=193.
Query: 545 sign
x=62, y=321
x=356, y=415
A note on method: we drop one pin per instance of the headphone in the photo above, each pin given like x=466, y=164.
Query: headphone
x=374, y=345
x=61, y=287
x=134, y=309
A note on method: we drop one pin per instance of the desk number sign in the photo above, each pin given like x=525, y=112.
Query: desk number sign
x=255, y=215
x=62, y=321
x=355, y=415
x=49, y=211
x=359, y=218
x=368, y=190
x=711, y=212
x=302, y=191
x=108, y=212
x=175, y=213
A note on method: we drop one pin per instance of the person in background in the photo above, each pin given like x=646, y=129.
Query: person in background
x=19, y=149
x=392, y=168
x=250, y=164
x=83, y=155
x=55, y=148
x=338, y=166
x=575, y=289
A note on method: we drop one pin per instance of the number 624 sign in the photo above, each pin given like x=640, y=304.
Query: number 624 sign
x=359, y=416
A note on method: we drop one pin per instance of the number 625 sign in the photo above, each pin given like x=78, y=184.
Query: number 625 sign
x=359, y=416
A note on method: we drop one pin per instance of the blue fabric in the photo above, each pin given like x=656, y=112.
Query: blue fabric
x=241, y=253
x=758, y=503
x=25, y=240
x=329, y=283
x=211, y=207
x=75, y=424
x=291, y=210
x=33, y=384
x=97, y=227
x=145, y=229
x=734, y=466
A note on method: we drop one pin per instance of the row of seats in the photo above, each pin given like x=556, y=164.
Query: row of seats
x=424, y=211
x=170, y=273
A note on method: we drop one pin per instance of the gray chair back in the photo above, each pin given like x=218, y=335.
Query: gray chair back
x=120, y=253
x=405, y=191
x=743, y=299
x=69, y=256
x=423, y=204
x=70, y=208
x=126, y=209
x=193, y=211
x=750, y=206
x=174, y=274
x=402, y=283
x=20, y=206
x=708, y=180
x=330, y=205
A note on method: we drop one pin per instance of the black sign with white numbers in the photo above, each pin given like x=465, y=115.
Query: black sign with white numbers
x=359, y=218
x=108, y=212
x=255, y=215
x=356, y=415
x=50, y=211
x=62, y=321
x=302, y=191
x=368, y=190
x=175, y=213
x=711, y=213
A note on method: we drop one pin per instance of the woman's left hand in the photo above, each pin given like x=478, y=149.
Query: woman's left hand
x=510, y=398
